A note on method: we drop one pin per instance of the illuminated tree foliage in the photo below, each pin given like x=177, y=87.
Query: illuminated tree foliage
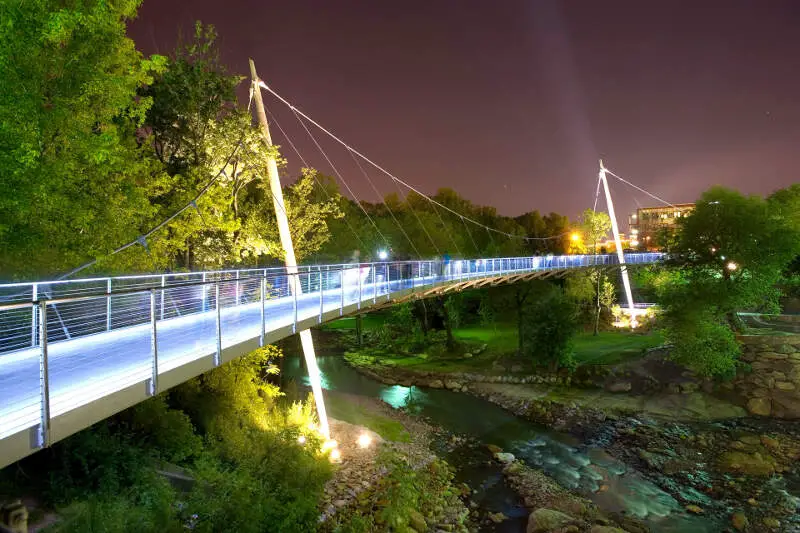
x=728, y=257
x=74, y=182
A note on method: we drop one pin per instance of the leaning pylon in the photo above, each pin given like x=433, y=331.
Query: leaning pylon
x=288, y=248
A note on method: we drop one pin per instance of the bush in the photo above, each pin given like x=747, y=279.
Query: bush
x=548, y=324
x=702, y=341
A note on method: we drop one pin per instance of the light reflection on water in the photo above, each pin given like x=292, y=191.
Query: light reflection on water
x=561, y=456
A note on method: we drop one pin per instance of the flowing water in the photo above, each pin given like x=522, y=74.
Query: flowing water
x=573, y=464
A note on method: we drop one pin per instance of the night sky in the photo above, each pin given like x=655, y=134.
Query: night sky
x=512, y=102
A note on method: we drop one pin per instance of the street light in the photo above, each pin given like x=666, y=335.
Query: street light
x=575, y=237
x=383, y=255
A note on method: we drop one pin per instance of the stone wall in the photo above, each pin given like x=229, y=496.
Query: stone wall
x=772, y=386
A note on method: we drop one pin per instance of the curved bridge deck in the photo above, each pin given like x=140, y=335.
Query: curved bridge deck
x=75, y=352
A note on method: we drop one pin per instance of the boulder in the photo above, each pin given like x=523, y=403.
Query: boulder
x=436, y=384
x=759, y=406
x=494, y=448
x=739, y=521
x=545, y=520
x=619, y=386
x=467, y=355
x=606, y=529
x=453, y=384
x=747, y=463
x=505, y=457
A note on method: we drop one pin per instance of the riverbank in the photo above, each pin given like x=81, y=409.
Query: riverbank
x=697, y=448
x=388, y=478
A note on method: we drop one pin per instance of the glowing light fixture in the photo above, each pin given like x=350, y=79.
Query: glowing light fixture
x=364, y=440
x=575, y=237
x=329, y=445
x=383, y=255
x=335, y=456
x=732, y=266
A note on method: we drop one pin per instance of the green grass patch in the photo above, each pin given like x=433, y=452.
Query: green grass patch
x=500, y=339
x=370, y=321
x=341, y=409
x=612, y=347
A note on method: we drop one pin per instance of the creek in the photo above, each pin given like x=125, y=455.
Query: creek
x=578, y=466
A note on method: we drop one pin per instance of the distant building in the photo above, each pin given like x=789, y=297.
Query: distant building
x=647, y=225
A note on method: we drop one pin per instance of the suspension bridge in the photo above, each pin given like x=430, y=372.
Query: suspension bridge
x=76, y=351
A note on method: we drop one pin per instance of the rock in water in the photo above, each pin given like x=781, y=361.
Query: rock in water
x=739, y=521
x=606, y=529
x=544, y=520
x=505, y=457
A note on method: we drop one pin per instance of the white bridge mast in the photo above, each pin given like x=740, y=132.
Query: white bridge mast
x=288, y=248
x=618, y=243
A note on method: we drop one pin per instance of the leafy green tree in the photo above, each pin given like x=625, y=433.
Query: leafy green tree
x=308, y=220
x=75, y=184
x=197, y=130
x=731, y=249
x=591, y=288
x=728, y=256
x=786, y=204
x=548, y=326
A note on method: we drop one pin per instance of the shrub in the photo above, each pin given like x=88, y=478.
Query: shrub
x=549, y=323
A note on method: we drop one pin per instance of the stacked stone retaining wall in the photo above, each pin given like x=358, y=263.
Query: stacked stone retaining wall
x=771, y=387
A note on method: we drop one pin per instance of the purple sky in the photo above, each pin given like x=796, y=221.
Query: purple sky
x=512, y=102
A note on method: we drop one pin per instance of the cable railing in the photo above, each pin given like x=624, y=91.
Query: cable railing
x=66, y=344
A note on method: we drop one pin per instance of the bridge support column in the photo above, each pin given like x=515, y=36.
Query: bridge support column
x=288, y=247
x=44, y=379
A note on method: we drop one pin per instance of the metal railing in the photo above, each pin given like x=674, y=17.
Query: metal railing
x=64, y=344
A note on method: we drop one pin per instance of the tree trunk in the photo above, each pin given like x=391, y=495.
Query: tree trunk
x=451, y=344
x=359, y=330
x=597, y=308
x=520, y=300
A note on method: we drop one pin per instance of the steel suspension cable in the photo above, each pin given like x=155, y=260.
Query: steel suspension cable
x=389, y=174
x=640, y=189
x=316, y=179
x=378, y=194
x=339, y=175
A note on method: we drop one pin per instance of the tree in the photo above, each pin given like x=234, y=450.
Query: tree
x=594, y=226
x=197, y=131
x=732, y=249
x=786, y=204
x=593, y=288
x=729, y=255
x=74, y=184
x=308, y=220
x=548, y=326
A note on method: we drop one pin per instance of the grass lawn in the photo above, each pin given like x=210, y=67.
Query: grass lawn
x=500, y=339
x=341, y=408
x=370, y=321
x=611, y=347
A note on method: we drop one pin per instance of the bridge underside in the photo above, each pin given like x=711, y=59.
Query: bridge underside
x=92, y=377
